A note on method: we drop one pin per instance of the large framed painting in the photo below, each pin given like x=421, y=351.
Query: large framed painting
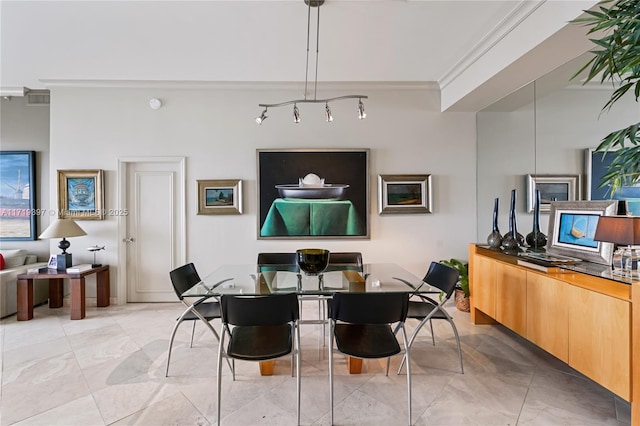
x=18, y=195
x=596, y=164
x=313, y=194
x=81, y=194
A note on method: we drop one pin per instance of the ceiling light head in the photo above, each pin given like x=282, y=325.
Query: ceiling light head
x=361, y=113
x=263, y=116
x=296, y=114
x=328, y=111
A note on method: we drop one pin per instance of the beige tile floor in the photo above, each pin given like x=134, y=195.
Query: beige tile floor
x=108, y=369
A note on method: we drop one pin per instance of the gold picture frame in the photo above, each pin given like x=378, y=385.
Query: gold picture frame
x=81, y=194
x=222, y=196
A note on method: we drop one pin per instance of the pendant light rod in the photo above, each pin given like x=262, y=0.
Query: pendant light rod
x=313, y=101
x=296, y=112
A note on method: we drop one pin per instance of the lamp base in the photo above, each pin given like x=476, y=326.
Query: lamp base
x=63, y=261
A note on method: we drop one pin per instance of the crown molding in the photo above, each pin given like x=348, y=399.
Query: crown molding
x=239, y=85
x=499, y=32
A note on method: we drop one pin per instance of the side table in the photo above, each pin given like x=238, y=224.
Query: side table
x=55, y=280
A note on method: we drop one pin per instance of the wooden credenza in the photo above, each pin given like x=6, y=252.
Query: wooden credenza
x=590, y=323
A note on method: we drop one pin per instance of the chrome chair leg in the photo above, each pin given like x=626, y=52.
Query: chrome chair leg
x=455, y=332
x=407, y=356
x=298, y=368
x=433, y=336
x=331, y=325
x=219, y=374
x=173, y=335
x=193, y=331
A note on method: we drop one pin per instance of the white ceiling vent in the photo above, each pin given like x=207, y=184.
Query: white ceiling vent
x=38, y=97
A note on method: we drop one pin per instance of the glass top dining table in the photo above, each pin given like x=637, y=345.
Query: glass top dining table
x=249, y=280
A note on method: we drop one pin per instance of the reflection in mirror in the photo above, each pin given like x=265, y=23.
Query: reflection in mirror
x=544, y=128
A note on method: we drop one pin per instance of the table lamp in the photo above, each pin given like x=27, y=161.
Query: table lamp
x=622, y=230
x=63, y=228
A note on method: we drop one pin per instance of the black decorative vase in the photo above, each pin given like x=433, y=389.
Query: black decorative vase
x=495, y=238
x=513, y=240
x=536, y=239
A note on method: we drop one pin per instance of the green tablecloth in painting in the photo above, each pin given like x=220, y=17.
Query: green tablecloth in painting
x=288, y=217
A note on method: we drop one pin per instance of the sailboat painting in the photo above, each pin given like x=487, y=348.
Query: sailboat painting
x=17, y=195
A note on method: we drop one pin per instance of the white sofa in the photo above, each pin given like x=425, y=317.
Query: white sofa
x=18, y=262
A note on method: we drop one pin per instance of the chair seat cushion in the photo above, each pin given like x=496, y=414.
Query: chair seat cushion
x=419, y=310
x=260, y=342
x=366, y=340
x=209, y=311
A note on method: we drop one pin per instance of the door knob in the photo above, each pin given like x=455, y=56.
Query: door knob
x=127, y=240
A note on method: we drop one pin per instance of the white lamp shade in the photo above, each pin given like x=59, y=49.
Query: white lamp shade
x=63, y=228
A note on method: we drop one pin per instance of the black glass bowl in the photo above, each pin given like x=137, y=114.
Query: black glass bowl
x=312, y=261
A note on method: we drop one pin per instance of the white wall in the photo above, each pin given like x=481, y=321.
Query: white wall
x=215, y=130
x=26, y=128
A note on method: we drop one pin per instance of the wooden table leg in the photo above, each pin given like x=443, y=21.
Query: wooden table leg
x=354, y=364
x=266, y=368
x=77, y=298
x=25, y=300
x=103, y=288
x=56, y=295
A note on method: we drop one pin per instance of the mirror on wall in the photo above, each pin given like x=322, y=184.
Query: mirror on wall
x=542, y=129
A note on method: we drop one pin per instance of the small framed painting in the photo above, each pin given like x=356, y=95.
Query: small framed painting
x=81, y=194
x=552, y=188
x=399, y=194
x=220, y=196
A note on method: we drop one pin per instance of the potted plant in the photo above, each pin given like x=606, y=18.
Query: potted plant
x=461, y=295
x=615, y=60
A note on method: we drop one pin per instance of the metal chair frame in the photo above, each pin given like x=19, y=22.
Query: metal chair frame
x=252, y=311
x=444, y=278
x=182, y=279
x=374, y=312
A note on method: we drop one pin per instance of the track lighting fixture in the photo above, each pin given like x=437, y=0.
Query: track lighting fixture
x=361, y=113
x=296, y=112
x=328, y=111
x=262, y=117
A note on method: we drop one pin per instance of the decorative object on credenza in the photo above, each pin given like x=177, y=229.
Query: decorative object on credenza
x=552, y=188
x=220, y=196
x=94, y=250
x=495, y=237
x=572, y=228
x=63, y=228
x=536, y=239
x=512, y=240
x=624, y=231
x=17, y=196
x=404, y=194
x=296, y=112
x=81, y=194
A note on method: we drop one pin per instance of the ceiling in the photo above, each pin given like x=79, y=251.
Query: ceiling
x=445, y=43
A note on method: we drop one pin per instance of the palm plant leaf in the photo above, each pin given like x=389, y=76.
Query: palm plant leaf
x=616, y=59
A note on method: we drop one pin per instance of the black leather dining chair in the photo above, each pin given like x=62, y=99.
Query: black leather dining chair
x=277, y=261
x=259, y=328
x=183, y=279
x=426, y=309
x=351, y=260
x=360, y=324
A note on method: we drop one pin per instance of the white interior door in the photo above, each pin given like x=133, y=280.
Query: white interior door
x=154, y=236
